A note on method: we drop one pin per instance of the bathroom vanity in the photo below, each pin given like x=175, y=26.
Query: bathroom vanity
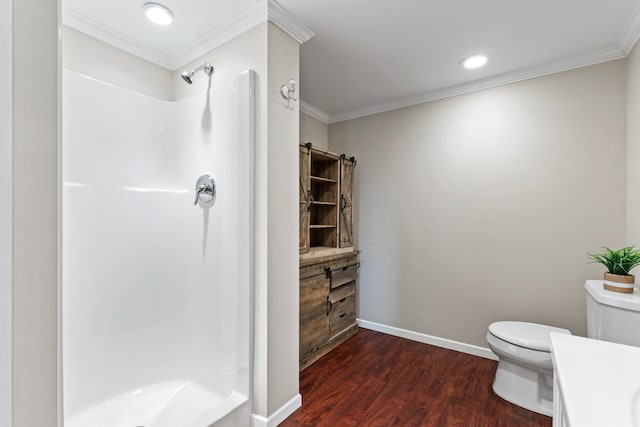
x=328, y=287
x=596, y=383
x=329, y=263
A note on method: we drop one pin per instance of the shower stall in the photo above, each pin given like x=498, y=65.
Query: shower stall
x=157, y=254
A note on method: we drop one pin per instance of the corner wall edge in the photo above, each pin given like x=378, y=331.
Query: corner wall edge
x=279, y=415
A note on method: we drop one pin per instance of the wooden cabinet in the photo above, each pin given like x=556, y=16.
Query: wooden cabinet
x=326, y=200
x=328, y=288
x=314, y=311
x=328, y=262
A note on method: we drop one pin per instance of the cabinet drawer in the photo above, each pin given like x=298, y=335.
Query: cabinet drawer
x=342, y=276
x=309, y=268
x=342, y=292
x=343, y=314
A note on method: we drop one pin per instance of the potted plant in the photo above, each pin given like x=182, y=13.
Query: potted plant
x=618, y=264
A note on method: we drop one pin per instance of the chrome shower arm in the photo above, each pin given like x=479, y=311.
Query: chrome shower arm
x=187, y=76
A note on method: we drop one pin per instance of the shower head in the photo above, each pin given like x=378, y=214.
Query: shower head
x=187, y=76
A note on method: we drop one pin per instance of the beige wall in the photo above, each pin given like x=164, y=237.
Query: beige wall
x=101, y=61
x=283, y=266
x=35, y=186
x=633, y=149
x=6, y=211
x=314, y=131
x=481, y=207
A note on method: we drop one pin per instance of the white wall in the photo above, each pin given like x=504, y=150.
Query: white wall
x=314, y=131
x=283, y=133
x=35, y=213
x=247, y=51
x=276, y=169
x=5, y=211
x=633, y=148
x=276, y=287
x=130, y=164
x=101, y=61
x=482, y=207
x=94, y=58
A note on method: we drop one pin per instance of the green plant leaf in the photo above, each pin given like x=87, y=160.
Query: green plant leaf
x=619, y=261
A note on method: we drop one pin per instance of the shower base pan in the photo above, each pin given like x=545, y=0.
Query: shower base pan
x=167, y=404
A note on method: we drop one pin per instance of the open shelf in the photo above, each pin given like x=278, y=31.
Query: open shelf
x=324, y=191
x=326, y=214
x=320, y=189
x=323, y=236
x=324, y=167
x=322, y=179
x=324, y=175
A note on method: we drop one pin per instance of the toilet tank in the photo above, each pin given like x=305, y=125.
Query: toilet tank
x=612, y=316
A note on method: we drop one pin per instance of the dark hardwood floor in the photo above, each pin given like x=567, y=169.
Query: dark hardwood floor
x=375, y=379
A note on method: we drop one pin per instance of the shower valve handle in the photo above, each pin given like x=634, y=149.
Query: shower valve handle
x=205, y=190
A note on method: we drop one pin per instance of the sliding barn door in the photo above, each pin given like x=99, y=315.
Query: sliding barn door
x=304, y=198
x=346, y=202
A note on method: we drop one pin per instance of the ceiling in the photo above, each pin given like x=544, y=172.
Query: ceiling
x=369, y=56
x=198, y=26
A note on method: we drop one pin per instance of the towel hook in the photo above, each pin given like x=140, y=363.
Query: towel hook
x=288, y=92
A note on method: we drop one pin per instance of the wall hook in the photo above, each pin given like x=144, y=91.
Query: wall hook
x=288, y=92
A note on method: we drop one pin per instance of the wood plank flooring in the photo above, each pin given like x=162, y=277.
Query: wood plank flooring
x=375, y=379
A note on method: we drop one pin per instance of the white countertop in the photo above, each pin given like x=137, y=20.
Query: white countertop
x=599, y=381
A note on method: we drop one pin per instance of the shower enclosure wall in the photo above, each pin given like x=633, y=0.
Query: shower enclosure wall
x=156, y=290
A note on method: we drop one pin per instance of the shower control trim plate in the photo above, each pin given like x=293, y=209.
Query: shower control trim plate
x=205, y=191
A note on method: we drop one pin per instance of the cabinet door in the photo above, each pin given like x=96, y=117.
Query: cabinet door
x=304, y=198
x=314, y=314
x=346, y=203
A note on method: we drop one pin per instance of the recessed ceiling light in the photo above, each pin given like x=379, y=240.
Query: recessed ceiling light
x=474, y=61
x=158, y=14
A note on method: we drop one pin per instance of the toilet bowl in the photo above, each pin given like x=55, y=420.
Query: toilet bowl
x=525, y=371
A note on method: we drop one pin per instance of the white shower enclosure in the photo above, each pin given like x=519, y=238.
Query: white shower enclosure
x=156, y=305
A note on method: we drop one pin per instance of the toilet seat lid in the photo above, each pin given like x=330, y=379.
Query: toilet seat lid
x=527, y=335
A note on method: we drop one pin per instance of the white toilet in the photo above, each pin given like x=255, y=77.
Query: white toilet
x=525, y=370
x=612, y=316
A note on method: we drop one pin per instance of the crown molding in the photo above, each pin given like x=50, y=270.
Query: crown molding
x=218, y=36
x=626, y=42
x=95, y=29
x=314, y=112
x=476, y=85
x=631, y=32
x=288, y=23
x=200, y=46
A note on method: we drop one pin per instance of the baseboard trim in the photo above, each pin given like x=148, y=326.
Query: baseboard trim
x=278, y=416
x=429, y=339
